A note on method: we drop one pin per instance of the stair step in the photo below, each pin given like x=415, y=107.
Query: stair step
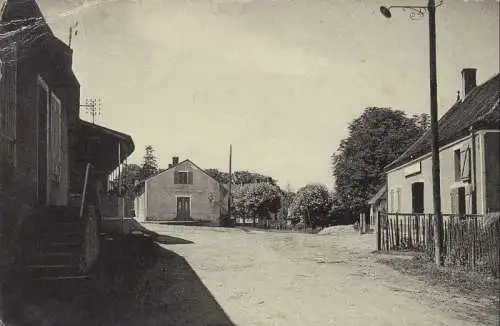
x=65, y=278
x=56, y=258
x=47, y=266
x=54, y=270
x=65, y=244
x=68, y=235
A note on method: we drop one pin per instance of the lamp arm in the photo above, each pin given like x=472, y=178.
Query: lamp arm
x=417, y=12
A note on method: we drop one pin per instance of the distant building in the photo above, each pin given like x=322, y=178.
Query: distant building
x=378, y=203
x=183, y=192
x=469, y=140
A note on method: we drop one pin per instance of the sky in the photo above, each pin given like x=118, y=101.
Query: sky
x=280, y=80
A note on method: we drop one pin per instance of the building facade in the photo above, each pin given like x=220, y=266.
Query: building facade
x=183, y=192
x=469, y=139
x=53, y=165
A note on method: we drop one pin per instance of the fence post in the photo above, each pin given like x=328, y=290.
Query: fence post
x=417, y=228
x=361, y=223
x=378, y=231
x=396, y=231
x=387, y=233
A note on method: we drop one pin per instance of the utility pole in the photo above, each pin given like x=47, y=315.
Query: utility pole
x=230, y=182
x=92, y=107
x=418, y=12
x=436, y=182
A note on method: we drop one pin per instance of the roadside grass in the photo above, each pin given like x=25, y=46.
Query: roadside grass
x=475, y=286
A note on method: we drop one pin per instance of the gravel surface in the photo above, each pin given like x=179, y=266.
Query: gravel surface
x=215, y=276
x=270, y=278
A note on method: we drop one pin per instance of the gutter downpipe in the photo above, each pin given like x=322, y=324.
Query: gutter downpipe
x=474, y=177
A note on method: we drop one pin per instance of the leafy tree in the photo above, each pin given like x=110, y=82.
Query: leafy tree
x=244, y=177
x=376, y=138
x=311, y=205
x=149, y=165
x=287, y=197
x=240, y=177
x=221, y=177
x=423, y=121
x=256, y=200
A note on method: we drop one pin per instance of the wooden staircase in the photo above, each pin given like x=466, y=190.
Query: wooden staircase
x=59, y=250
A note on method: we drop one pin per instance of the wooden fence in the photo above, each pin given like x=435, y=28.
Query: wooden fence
x=471, y=241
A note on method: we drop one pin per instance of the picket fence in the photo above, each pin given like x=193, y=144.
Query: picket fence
x=470, y=241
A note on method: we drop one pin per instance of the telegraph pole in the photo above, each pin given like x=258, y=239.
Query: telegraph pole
x=436, y=182
x=72, y=31
x=92, y=107
x=230, y=181
x=417, y=12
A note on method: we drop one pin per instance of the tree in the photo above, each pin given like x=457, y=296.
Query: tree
x=245, y=177
x=240, y=177
x=376, y=138
x=256, y=200
x=287, y=197
x=149, y=165
x=423, y=121
x=221, y=177
x=311, y=205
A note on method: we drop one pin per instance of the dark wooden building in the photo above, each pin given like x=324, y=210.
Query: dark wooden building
x=53, y=166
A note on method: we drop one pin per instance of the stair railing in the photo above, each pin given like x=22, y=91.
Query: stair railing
x=84, y=191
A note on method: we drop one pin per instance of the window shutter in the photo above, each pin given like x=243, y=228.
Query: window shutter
x=8, y=71
x=465, y=162
x=398, y=194
x=454, y=200
x=392, y=200
x=176, y=177
x=190, y=178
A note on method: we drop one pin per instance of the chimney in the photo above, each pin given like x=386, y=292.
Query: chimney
x=169, y=166
x=468, y=80
x=175, y=160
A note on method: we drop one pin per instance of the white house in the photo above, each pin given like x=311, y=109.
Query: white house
x=183, y=192
x=469, y=139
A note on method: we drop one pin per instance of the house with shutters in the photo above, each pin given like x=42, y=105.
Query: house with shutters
x=54, y=167
x=469, y=141
x=183, y=192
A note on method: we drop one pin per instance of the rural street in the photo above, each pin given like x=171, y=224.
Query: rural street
x=270, y=278
x=217, y=276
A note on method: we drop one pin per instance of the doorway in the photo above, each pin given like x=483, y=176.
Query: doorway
x=461, y=201
x=42, y=111
x=183, y=208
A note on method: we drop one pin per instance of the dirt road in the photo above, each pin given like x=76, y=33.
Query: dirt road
x=269, y=278
x=213, y=276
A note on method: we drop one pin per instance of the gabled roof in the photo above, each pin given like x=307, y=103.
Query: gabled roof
x=378, y=195
x=479, y=109
x=172, y=167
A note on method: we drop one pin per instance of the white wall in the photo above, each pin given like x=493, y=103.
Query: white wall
x=396, y=179
x=140, y=208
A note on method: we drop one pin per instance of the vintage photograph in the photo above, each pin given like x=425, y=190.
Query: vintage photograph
x=249, y=162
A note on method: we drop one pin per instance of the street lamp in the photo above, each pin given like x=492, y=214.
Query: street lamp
x=417, y=12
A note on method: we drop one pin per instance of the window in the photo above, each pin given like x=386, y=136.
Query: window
x=457, y=165
x=417, y=195
x=461, y=201
x=183, y=177
x=55, y=139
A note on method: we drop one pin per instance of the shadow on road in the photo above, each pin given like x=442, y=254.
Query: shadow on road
x=166, y=239
x=137, y=283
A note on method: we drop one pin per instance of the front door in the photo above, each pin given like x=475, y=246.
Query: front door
x=183, y=208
